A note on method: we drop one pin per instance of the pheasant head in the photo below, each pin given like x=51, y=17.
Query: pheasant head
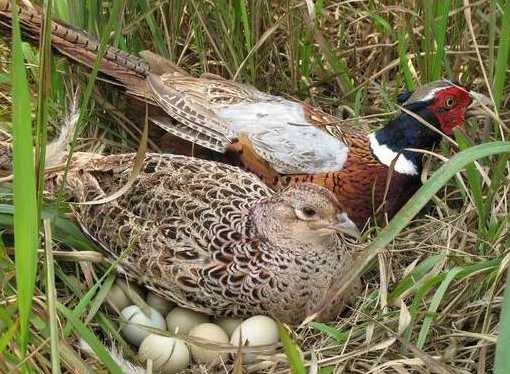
x=305, y=213
x=446, y=103
x=443, y=104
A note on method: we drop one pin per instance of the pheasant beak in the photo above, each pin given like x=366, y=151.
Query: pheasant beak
x=345, y=225
x=478, y=105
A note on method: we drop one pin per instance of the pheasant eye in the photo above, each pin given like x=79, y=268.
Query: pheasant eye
x=449, y=102
x=306, y=213
x=309, y=212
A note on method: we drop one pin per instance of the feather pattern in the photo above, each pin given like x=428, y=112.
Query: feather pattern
x=222, y=110
x=212, y=237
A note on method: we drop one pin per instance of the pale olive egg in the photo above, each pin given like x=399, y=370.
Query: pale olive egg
x=208, y=333
x=118, y=298
x=255, y=331
x=133, y=329
x=168, y=355
x=181, y=320
x=228, y=324
x=159, y=303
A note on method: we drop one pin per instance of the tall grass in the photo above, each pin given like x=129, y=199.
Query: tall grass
x=24, y=189
x=28, y=207
x=502, y=59
x=113, y=24
x=43, y=99
x=440, y=28
x=502, y=360
x=43, y=96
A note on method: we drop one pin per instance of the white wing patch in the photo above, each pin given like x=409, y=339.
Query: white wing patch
x=280, y=135
x=294, y=149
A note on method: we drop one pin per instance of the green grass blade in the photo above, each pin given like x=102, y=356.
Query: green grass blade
x=92, y=16
x=248, y=38
x=5, y=317
x=330, y=331
x=6, y=338
x=502, y=360
x=493, y=25
x=502, y=59
x=434, y=304
x=418, y=300
x=89, y=337
x=291, y=349
x=99, y=300
x=425, y=286
x=43, y=97
x=25, y=205
x=65, y=231
x=444, y=280
x=113, y=24
x=428, y=37
x=337, y=64
x=5, y=79
x=212, y=40
x=497, y=179
x=440, y=29
x=414, y=277
x=51, y=298
x=248, y=41
x=155, y=29
x=420, y=291
x=326, y=370
x=475, y=182
x=86, y=299
x=402, y=36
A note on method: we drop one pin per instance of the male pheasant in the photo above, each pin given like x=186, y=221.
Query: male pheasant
x=282, y=141
x=286, y=142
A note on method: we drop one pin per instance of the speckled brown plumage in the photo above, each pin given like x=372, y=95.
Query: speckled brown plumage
x=211, y=237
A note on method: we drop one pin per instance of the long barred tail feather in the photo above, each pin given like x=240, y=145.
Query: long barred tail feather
x=80, y=47
x=131, y=73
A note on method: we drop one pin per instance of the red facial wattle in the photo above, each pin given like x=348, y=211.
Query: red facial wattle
x=447, y=114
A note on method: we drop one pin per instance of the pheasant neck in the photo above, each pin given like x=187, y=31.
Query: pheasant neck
x=404, y=132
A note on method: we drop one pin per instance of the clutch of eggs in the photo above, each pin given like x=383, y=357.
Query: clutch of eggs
x=171, y=354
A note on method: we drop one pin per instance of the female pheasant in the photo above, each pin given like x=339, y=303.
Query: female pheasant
x=210, y=236
x=282, y=141
x=214, y=238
